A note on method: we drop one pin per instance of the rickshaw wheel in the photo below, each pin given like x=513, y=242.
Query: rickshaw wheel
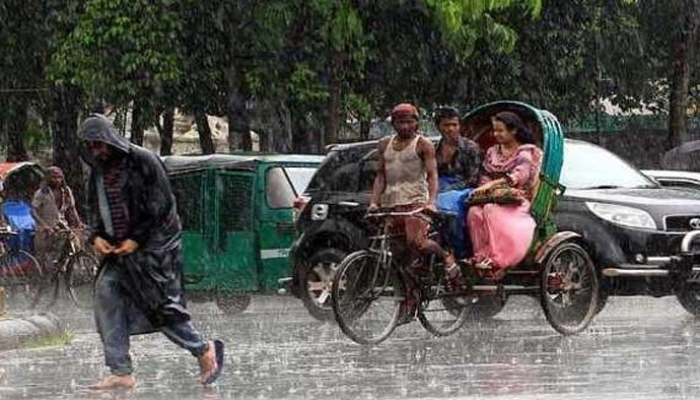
x=21, y=273
x=316, y=281
x=569, y=288
x=367, y=298
x=232, y=304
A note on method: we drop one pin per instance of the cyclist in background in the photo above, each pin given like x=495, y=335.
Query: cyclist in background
x=53, y=207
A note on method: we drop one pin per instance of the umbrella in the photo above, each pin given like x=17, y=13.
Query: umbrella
x=685, y=157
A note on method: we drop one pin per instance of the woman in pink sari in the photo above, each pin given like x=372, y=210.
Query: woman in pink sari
x=501, y=234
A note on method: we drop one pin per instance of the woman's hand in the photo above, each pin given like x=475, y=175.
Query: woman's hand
x=490, y=185
x=483, y=189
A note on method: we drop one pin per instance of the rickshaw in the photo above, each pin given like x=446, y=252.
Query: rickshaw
x=369, y=288
x=237, y=218
x=19, y=270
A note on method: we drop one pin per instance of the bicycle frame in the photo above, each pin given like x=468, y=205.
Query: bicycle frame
x=380, y=245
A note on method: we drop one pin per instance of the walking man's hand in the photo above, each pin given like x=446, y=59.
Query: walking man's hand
x=102, y=247
x=126, y=247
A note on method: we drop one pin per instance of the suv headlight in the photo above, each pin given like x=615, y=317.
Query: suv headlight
x=622, y=215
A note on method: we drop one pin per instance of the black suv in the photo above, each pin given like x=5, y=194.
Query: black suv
x=631, y=226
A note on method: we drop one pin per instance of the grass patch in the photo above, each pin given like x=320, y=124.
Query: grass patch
x=59, y=339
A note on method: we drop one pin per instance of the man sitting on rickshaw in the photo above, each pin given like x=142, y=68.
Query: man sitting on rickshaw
x=459, y=164
x=407, y=181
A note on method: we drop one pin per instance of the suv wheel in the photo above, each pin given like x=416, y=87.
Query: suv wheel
x=315, y=282
x=688, y=294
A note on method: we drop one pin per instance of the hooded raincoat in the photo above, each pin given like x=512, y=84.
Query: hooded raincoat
x=151, y=277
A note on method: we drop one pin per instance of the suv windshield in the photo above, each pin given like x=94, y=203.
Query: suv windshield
x=300, y=177
x=346, y=170
x=587, y=166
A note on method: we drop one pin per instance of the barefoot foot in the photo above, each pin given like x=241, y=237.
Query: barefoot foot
x=113, y=382
x=211, y=362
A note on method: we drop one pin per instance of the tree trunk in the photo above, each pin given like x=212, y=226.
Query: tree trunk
x=166, y=133
x=238, y=123
x=205, y=139
x=137, y=122
x=282, y=140
x=4, y=121
x=65, y=111
x=301, y=138
x=17, y=125
x=683, y=54
x=333, y=123
x=365, y=127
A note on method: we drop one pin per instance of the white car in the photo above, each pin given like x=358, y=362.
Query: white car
x=684, y=179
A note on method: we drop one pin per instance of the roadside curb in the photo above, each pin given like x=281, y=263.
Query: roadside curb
x=15, y=331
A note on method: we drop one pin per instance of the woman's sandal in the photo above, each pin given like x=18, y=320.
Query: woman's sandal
x=484, y=264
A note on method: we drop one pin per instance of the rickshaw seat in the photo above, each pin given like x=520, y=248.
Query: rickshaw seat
x=18, y=215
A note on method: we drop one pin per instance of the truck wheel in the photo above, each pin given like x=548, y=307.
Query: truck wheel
x=316, y=281
x=232, y=304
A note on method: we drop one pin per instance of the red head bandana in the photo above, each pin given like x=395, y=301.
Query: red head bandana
x=404, y=110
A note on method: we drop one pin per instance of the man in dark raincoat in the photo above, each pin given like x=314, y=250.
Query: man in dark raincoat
x=135, y=226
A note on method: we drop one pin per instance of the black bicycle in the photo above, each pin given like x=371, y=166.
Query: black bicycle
x=372, y=293
x=75, y=267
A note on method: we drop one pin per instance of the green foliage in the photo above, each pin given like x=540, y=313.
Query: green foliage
x=120, y=49
x=36, y=136
x=463, y=22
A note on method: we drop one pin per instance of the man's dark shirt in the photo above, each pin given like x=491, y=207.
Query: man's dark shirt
x=465, y=163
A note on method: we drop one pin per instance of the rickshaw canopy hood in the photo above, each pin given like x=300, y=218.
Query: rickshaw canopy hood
x=21, y=177
x=7, y=169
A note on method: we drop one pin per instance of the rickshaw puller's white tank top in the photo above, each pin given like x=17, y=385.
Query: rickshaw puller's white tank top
x=406, y=178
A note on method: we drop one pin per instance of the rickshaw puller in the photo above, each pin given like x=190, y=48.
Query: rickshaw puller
x=407, y=181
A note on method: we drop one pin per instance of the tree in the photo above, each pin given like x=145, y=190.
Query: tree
x=673, y=29
x=122, y=52
x=369, y=55
x=22, y=38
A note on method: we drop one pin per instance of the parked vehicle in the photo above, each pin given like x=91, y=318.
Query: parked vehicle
x=237, y=218
x=19, y=182
x=631, y=227
x=678, y=179
x=20, y=272
x=638, y=232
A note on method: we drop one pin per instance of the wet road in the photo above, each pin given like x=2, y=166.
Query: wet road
x=637, y=348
